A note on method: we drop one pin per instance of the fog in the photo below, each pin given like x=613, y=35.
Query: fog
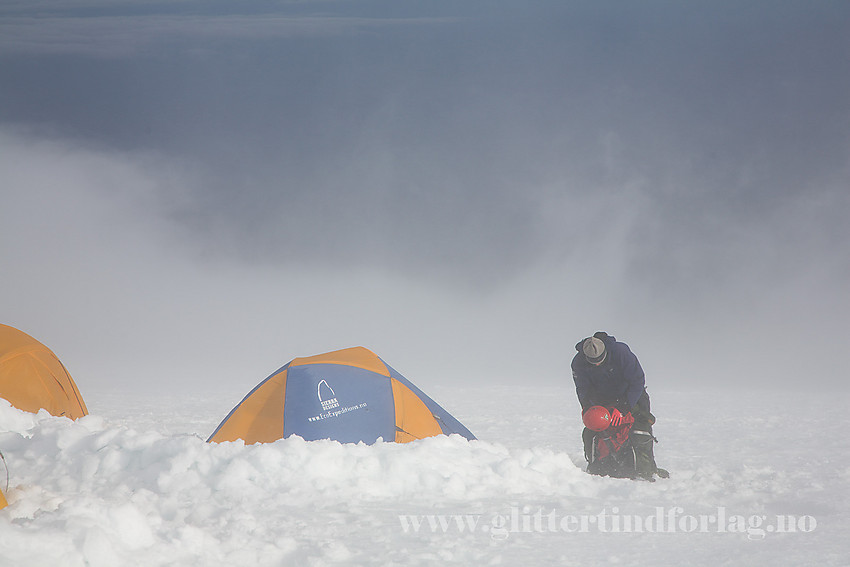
x=194, y=193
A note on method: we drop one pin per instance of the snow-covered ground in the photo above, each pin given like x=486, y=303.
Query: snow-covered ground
x=757, y=479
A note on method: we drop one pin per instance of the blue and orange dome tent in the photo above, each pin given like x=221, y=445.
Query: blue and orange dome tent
x=349, y=395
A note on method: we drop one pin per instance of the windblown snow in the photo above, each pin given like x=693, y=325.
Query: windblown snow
x=755, y=480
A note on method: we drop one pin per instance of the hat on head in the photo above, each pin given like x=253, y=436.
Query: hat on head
x=594, y=350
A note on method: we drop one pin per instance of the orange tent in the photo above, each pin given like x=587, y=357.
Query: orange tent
x=349, y=395
x=32, y=378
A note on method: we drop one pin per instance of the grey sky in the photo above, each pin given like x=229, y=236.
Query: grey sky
x=463, y=185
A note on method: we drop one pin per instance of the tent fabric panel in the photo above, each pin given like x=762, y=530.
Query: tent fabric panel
x=74, y=395
x=32, y=377
x=413, y=419
x=64, y=395
x=448, y=423
x=358, y=357
x=22, y=385
x=11, y=339
x=259, y=417
x=7, y=353
x=333, y=401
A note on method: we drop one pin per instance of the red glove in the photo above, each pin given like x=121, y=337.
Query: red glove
x=617, y=418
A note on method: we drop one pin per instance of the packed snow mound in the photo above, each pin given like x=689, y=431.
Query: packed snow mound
x=120, y=495
x=66, y=458
x=139, y=489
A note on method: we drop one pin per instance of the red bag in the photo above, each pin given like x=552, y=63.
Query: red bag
x=615, y=437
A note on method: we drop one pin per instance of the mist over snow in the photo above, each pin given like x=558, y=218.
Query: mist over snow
x=466, y=190
x=103, y=269
x=194, y=193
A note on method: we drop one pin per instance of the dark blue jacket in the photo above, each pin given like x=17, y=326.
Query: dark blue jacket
x=619, y=381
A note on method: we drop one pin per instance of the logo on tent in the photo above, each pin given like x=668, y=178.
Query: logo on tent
x=327, y=402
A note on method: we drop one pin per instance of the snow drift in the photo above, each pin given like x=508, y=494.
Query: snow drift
x=101, y=491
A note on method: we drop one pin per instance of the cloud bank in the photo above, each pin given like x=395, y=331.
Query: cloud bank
x=210, y=193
